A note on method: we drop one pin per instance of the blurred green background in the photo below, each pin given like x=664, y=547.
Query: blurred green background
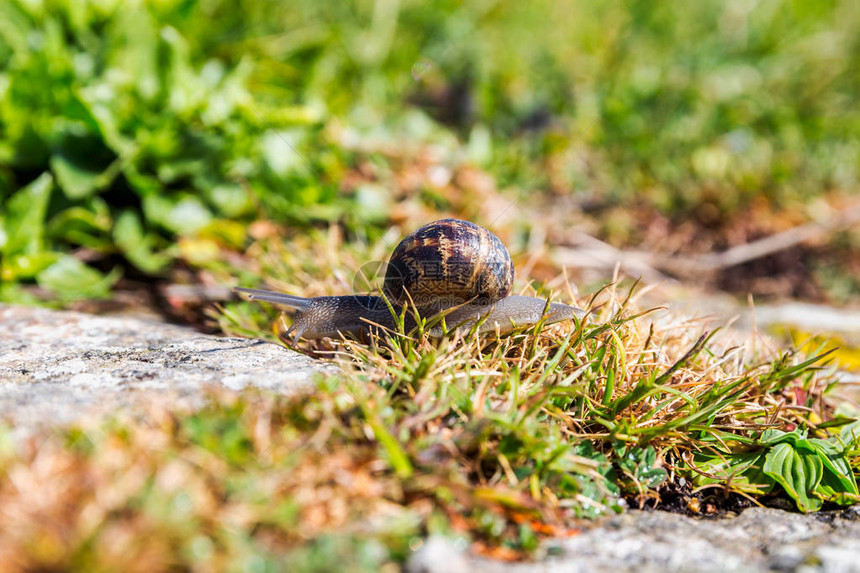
x=125, y=125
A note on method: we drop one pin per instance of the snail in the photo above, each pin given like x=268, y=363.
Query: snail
x=449, y=268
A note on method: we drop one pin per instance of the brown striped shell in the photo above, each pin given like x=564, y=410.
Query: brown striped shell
x=449, y=262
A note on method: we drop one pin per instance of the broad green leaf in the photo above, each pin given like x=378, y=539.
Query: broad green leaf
x=836, y=474
x=87, y=226
x=850, y=434
x=76, y=181
x=798, y=473
x=833, y=489
x=183, y=215
x=12, y=293
x=24, y=217
x=186, y=93
x=99, y=102
x=836, y=466
x=773, y=437
x=71, y=279
x=809, y=470
x=24, y=267
x=136, y=245
x=142, y=185
x=182, y=168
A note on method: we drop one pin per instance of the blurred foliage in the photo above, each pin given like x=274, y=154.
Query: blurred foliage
x=125, y=124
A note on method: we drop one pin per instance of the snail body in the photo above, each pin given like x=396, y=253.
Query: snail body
x=450, y=266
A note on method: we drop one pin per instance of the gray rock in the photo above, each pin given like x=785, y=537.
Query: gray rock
x=56, y=367
x=757, y=541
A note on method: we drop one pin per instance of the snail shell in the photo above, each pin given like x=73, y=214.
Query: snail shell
x=448, y=263
x=449, y=266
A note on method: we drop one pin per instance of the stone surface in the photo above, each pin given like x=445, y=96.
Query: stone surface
x=56, y=367
x=757, y=541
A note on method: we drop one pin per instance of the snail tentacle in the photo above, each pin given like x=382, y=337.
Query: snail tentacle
x=283, y=299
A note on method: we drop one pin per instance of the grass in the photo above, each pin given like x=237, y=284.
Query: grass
x=504, y=443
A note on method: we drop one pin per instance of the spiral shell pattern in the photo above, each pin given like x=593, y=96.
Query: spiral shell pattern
x=447, y=263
